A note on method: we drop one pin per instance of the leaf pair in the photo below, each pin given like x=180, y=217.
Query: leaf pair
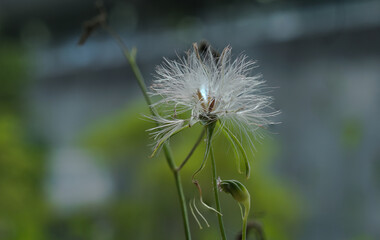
x=238, y=150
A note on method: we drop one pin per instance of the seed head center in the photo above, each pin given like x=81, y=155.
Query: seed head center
x=207, y=102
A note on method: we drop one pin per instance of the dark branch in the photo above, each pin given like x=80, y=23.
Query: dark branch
x=94, y=23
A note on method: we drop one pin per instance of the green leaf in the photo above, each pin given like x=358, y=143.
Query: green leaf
x=237, y=145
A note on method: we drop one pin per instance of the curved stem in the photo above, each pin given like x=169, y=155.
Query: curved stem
x=169, y=158
x=191, y=151
x=214, y=181
x=245, y=220
x=132, y=62
x=209, y=131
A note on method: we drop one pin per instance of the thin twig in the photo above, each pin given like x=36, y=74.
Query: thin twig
x=214, y=181
x=191, y=151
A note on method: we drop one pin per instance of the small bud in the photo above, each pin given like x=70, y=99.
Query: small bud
x=238, y=191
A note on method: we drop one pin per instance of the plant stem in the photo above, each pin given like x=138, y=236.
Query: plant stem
x=181, y=195
x=167, y=152
x=214, y=181
x=191, y=151
x=169, y=158
x=244, y=230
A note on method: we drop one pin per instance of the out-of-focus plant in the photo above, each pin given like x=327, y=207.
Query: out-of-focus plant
x=22, y=213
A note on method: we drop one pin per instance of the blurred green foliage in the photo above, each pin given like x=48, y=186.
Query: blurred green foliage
x=362, y=237
x=146, y=205
x=352, y=133
x=22, y=215
x=13, y=71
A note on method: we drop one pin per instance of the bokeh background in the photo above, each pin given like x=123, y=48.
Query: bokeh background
x=73, y=147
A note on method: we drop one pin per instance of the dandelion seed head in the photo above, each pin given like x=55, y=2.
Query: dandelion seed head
x=211, y=88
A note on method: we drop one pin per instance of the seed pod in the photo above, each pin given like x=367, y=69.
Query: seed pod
x=240, y=193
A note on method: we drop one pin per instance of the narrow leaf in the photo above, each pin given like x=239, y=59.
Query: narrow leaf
x=231, y=136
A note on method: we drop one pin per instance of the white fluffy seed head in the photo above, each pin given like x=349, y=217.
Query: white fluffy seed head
x=209, y=86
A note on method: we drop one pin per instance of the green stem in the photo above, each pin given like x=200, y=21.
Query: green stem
x=169, y=158
x=181, y=195
x=245, y=220
x=210, y=129
x=191, y=151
